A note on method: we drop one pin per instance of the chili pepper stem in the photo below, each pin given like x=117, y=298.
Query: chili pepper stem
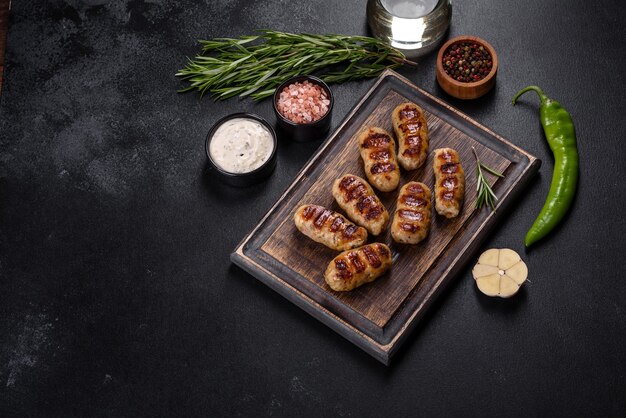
x=536, y=89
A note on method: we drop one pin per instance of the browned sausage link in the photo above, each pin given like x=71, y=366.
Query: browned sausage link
x=411, y=221
x=328, y=227
x=354, y=268
x=412, y=133
x=411, y=128
x=379, y=158
x=449, y=182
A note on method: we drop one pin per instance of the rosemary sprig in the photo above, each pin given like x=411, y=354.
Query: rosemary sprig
x=485, y=194
x=256, y=65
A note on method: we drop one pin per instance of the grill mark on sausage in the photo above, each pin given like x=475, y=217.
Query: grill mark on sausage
x=382, y=168
x=413, y=144
x=446, y=195
x=336, y=224
x=367, y=206
x=374, y=212
x=355, y=260
x=411, y=215
x=381, y=155
x=352, y=188
x=409, y=227
x=414, y=141
x=448, y=157
x=365, y=202
x=415, y=188
x=322, y=217
x=449, y=168
x=346, y=182
x=382, y=250
x=411, y=127
x=356, y=192
x=308, y=212
x=349, y=231
x=408, y=112
x=414, y=201
x=376, y=140
x=372, y=258
x=449, y=183
x=409, y=152
x=343, y=270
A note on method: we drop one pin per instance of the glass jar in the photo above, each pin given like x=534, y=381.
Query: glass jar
x=415, y=27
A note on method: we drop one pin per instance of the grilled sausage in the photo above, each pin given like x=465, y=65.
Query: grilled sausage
x=363, y=207
x=353, y=268
x=409, y=124
x=329, y=228
x=449, y=182
x=411, y=221
x=378, y=151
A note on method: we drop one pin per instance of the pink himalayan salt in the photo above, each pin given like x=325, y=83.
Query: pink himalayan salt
x=303, y=102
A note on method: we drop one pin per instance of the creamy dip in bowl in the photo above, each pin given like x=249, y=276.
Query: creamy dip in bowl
x=242, y=149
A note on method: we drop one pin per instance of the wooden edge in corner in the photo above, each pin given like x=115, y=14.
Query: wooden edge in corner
x=381, y=353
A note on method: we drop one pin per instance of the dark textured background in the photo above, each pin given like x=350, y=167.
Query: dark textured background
x=117, y=297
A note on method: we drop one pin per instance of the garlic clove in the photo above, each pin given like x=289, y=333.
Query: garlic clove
x=490, y=257
x=481, y=270
x=489, y=285
x=508, y=287
x=518, y=272
x=508, y=258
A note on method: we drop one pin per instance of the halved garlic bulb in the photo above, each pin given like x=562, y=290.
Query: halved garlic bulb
x=500, y=272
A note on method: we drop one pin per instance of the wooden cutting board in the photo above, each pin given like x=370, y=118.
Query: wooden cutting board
x=379, y=316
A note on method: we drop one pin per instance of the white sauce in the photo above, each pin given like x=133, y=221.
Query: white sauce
x=241, y=145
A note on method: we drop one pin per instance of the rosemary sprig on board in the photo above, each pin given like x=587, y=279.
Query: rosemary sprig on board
x=485, y=194
x=256, y=65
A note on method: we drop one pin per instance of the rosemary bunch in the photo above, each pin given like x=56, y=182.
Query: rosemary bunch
x=484, y=192
x=256, y=65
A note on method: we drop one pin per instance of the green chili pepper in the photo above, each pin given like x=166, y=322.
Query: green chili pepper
x=559, y=130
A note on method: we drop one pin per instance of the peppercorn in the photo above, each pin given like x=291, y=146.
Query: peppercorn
x=467, y=62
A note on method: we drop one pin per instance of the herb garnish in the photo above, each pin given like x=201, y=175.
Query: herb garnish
x=485, y=194
x=256, y=65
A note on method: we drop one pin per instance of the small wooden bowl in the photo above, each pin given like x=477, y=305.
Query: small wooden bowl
x=460, y=89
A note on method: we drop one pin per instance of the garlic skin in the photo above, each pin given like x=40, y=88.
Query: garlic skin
x=500, y=272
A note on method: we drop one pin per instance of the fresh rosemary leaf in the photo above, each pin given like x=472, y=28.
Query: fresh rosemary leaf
x=256, y=65
x=484, y=193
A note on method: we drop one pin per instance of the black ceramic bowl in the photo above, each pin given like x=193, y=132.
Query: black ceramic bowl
x=304, y=131
x=251, y=177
